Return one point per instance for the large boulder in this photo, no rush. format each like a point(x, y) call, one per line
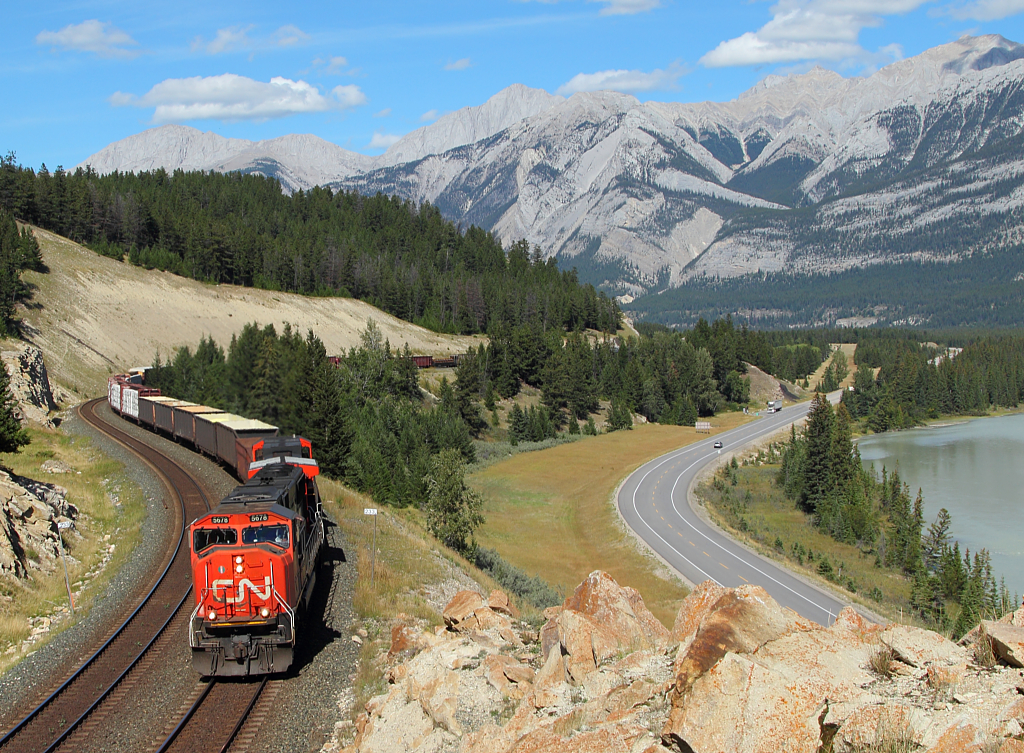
point(468, 612)
point(740, 621)
point(1007, 641)
point(756, 677)
point(603, 620)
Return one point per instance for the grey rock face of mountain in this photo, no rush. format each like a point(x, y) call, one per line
point(804, 173)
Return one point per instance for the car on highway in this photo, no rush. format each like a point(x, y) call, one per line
point(718, 445)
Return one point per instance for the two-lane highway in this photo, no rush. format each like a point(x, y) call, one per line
point(653, 502)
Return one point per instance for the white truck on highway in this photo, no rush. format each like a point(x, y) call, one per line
point(774, 406)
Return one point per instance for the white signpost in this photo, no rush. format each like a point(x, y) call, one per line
point(63, 526)
point(373, 561)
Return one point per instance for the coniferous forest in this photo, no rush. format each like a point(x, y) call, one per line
point(821, 472)
point(406, 259)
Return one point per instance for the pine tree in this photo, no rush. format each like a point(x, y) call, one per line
point(453, 509)
point(12, 436)
point(518, 428)
point(819, 473)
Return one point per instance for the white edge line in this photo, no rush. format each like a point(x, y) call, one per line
point(674, 456)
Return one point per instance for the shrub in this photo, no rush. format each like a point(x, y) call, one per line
point(534, 590)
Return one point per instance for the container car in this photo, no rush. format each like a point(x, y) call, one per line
point(254, 559)
point(185, 420)
point(147, 408)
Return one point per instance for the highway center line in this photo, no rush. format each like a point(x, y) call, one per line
point(732, 554)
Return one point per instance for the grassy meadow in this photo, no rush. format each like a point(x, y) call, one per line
point(551, 512)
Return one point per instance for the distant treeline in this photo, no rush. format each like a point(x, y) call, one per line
point(982, 291)
point(917, 381)
point(231, 228)
point(376, 430)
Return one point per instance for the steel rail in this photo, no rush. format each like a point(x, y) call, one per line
point(197, 704)
point(187, 717)
point(131, 444)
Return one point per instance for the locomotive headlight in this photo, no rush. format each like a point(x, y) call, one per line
point(264, 613)
point(212, 614)
point(238, 561)
point(239, 568)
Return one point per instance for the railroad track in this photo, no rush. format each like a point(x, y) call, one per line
point(61, 714)
point(206, 722)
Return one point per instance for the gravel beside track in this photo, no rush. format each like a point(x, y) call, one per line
point(20, 685)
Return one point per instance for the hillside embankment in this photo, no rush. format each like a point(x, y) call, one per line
point(92, 316)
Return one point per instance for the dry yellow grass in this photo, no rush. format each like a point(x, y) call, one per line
point(409, 561)
point(551, 512)
point(92, 316)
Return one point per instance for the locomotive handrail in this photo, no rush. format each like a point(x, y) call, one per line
point(288, 610)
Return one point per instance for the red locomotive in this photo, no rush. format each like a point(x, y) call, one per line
point(254, 562)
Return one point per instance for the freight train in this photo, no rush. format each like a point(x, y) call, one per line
point(254, 556)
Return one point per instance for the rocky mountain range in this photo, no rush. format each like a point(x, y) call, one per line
point(802, 174)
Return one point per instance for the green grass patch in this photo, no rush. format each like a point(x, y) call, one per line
point(748, 504)
point(551, 513)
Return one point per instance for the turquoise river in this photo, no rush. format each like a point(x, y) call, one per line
point(975, 469)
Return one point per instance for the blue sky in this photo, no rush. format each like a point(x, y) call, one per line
point(80, 75)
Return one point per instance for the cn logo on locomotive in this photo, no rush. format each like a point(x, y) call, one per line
point(225, 585)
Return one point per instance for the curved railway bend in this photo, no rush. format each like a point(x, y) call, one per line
point(60, 715)
point(654, 502)
point(135, 690)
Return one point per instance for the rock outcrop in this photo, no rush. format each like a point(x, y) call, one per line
point(30, 385)
point(737, 673)
point(29, 514)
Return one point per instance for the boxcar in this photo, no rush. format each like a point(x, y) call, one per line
point(185, 420)
point(147, 408)
point(236, 430)
point(206, 431)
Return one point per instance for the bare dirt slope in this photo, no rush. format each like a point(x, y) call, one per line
point(93, 316)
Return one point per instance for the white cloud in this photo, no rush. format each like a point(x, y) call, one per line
point(335, 64)
point(459, 65)
point(383, 113)
point(234, 38)
point(809, 30)
point(429, 116)
point(622, 81)
point(382, 140)
point(288, 36)
point(986, 10)
point(233, 97)
point(626, 7)
point(227, 40)
point(102, 38)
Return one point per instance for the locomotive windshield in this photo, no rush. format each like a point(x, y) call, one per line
point(277, 535)
point(204, 538)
